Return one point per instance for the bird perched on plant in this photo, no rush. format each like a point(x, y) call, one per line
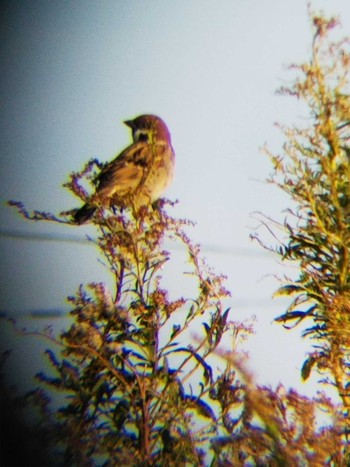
point(139, 175)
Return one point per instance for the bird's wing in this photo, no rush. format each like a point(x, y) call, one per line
point(125, 173)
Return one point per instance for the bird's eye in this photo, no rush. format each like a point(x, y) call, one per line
point(141, 136)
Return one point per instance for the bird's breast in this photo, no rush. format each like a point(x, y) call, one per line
point(161, 172)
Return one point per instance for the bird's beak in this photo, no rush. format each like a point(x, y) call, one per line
point(129, 123)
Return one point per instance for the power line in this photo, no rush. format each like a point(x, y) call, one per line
point(43, 237)
point(58, 313)
point(65, 238)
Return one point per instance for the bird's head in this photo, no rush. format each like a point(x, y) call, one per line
point(148, 128)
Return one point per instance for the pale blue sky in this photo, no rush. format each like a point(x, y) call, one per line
point(73, 71)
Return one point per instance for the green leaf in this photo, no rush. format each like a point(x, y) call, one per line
point(291, 315)
point(289, 289)
point(307, 367)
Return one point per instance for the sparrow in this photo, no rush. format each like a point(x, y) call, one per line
point(139, 175)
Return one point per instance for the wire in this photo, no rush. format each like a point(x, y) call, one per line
point(54, 237)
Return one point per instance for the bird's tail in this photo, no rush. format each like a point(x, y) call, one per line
point(84, 214)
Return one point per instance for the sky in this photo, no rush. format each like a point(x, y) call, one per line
point(74, 71)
